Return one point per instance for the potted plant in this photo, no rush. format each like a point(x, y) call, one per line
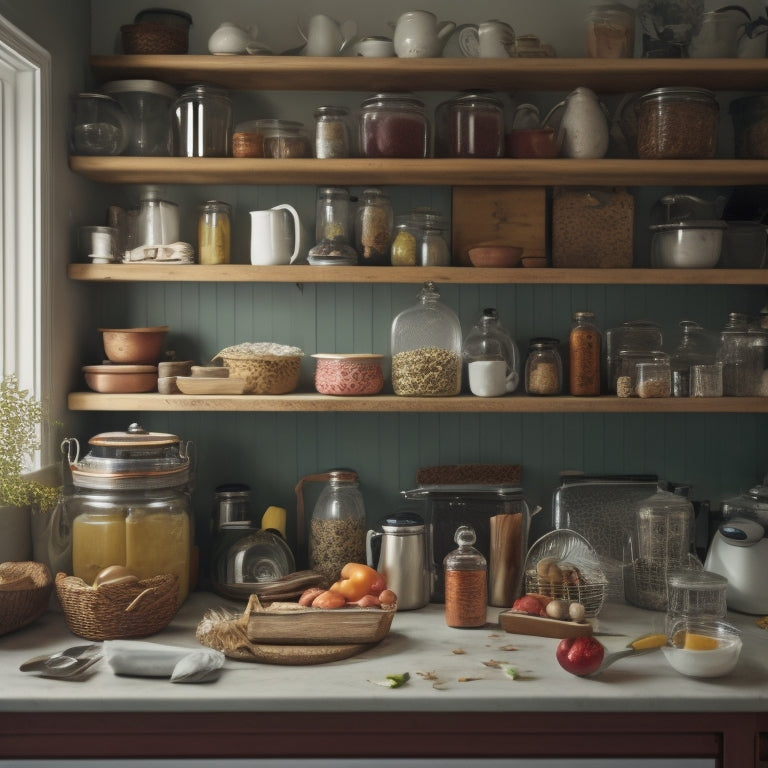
point(21, 417)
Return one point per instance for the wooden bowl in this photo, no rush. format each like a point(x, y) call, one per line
point(534, 261)
point(495, 255)
point(121, 379)
point(134, 346)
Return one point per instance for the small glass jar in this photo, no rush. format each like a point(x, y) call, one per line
point(426, 348)
point(333, 228)
point(470, 125)
point(332, 132)
point(286, 139)
point(373, 228)
point(696, 347)
point(707, 380)
point(654, 379)
point(610, 31)
point(632, 336)
point(466, 582)
point(231, 504)
point(543, 368)
point(677, 123)
point(629, 362)
point(433, 242)
point(394, 125)
point(584, 351)
point(214, 232)
point(202, 122)
point(742, 359)
point(98, 125)
point(404, 251)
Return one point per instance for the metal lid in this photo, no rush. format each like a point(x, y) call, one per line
point(503, 491)
point(679, 93)
point(403, 522)
point(156, 87)
point(672, 226)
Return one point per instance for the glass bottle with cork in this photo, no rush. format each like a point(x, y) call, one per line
point(466, 582)
point(584, 346)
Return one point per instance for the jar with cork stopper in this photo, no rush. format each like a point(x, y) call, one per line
point(466, 584)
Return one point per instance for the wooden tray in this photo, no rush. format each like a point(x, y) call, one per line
point(523, 624)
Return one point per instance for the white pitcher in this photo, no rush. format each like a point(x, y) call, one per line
point(276, 236)
point(418, 35)
point(326, 37)
point(584, 128)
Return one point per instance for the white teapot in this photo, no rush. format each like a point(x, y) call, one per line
point(231, 39)
point(418, 35)
point(584, 130)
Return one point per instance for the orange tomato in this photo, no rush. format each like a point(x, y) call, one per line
point(356, 580)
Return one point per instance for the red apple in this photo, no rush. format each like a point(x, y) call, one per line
point(580, 655)
point(530, 605)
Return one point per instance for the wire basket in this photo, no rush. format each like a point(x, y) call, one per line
point(120, 610)
point(147, 38)
point(25, 588)
point(590, 594)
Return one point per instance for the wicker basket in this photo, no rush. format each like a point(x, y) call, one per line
point(25, 589)
point(148, 38)
point(265, 373)
point(118, 611)
point(590, 594)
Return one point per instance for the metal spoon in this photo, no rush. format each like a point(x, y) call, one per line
point(638, 647)
point(60, 660)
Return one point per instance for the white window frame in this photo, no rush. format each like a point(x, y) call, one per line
point(25, 211)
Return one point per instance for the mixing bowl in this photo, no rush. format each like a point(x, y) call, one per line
point(134, 346)
point(687, 245)
point(703, 647)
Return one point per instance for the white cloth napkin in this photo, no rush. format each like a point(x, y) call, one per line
point(182, 665)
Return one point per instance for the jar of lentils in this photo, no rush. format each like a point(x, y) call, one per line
point(543, 368)
point(470, 125)
point(394, 125)
point(677, 123)
point(426, 348)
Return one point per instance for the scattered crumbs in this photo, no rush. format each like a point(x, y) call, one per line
point(469, 679)
point(493, 663)
point(458, 651)
point(509, 648)
point(763, 622)
point(428, 675)
point(494, 634)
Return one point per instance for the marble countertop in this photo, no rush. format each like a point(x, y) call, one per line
point(448, 673)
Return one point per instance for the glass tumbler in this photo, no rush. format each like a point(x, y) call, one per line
point(695, 594)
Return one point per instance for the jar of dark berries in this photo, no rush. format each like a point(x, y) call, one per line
point(394, 125)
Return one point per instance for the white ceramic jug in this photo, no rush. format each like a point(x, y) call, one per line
point(493, 39)
point(230, 39)
point(326, 37)
point(584, 130)
point(418, 35)
point(276, 236)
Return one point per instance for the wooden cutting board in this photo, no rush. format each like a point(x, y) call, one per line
point(500, 216)
point(523, 624)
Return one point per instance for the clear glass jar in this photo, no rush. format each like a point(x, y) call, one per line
point(426, 348)
point(653, 379)
point(470, 125)
point(286, 139)
point(374, 221)
point(231, 504)
point(214, 232)
point(466, 582)
point(742, 359)
point(202, 122)
point(584, 352)
point(404, 251)
point(677, 123)
point(332, 132)
point(98, 125)
point(697, 347)
point(333, 228)
point(394, 125)
point(248, 137)
point(337, 527)
point(629, 362)
point(489, 340)
point(610, 31)
point(543, 368)
point(634, 336)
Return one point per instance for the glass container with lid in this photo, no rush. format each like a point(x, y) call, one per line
point(697, 347)
point(334, 229)
point(426, 348)
point(394, 125)
point(489, 340)
point(633, 336)
point(214, 232)
point(741, 356)
point(610, 31)
point(470, 125)
point(374, 222)
point(433, 248)
point(584, 353)
point(202, 122)
point(543, 368)
point(332, 132)
point(629, 361)
point(466, 591)
point(98, 125)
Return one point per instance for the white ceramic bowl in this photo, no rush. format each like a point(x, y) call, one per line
point(715, 662)
point(687, 245)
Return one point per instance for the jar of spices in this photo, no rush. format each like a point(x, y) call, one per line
point(394, 125)
point(610, 31)
point(584, 347)
point(333, 228)
point(466, 587)
point(470, 125)
point(426, 348)
point(373, 228)
point(543, 368)
point(404, 251)
point(202, 122)
point(214, 232)
point(677, 123)
point(331, 132)
point(433, 243)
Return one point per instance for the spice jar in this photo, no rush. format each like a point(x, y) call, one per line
point(214, 232)
point(394, 125)
point(202, 122)
point(331, 132)
point(610, 31)
point(470, 125)
point(426, 348)
point(466, 588)
point(433, 250)
point(373, 228)
point(543, 368)
point(404, 250)
point(333, 229)
point(677, 123)
point(584, 346)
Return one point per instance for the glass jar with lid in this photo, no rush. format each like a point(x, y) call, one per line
point(404, 251)
point(426, 348)
point(333, 228)
point(697, 347)
point(332, 132)
point(286, 139)
point(373, 228)
point(489, 340)
point(433, 248)
point(394, 125)
point(214, 232)
point(741, 358)
point(543, 367)
point(584, 353)
point(98, 125)
point(631, 336)
point(610, 31)
point(677, 123)
point(466, 582)
point(470, 125)
point(629, 362)
point(202, 122)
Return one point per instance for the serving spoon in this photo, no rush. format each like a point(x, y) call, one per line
point(638, 647)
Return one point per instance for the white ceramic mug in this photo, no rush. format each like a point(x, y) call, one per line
point(275, 235)
point(496, 39)
point(491, 378)
point(326, 37)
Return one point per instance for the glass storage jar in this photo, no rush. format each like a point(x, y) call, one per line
point(214, 230)
point(610, 31)
point(543, 368)
point(584, 352)
point(98, 125)
point(433, 248)
point(697, 347)
point(653, 379)
point(374, 222)
point(426, 348)
point(202, 122)
point(741, 357)
point(284, 139)
point(633, 336)
point(629, 361)
point(466, 590)
point(470, 125)
point(332, 132)
point(333, 228)
point(404, 250)
point(489, 340)
point(394, 125)
point(677, 123)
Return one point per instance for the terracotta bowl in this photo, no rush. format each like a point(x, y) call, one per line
point(534, 261)
point(495, 255)
point(532, 143)
point(134, 346)
point(121, 379)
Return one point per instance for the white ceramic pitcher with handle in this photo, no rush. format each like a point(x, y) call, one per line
point(276, 236)
point(419, 35)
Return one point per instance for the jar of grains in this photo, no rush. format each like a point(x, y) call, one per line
point(373, 228)
point(426, 348)
point(394, 125)
point(677, 123)
point(404, 249)
point(331, 132)
point(470, 125)
point(214, 232)
point(584, 348)
point(628, 366)
point(654, 379)
point(543, 368)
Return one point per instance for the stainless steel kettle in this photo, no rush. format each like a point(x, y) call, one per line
point(403, 558)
